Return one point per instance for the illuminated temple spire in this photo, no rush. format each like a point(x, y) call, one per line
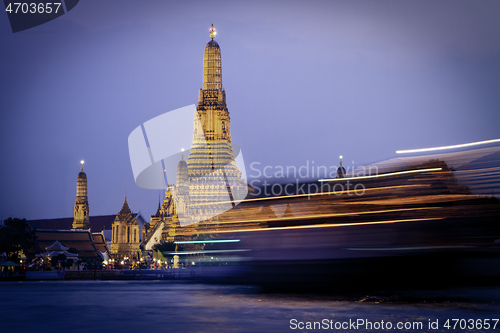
point(211, 158)
point(211, 148)
point(212, 73)
point(341, 173)
point(81, 213)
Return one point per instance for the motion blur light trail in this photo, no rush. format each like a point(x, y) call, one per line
point(330, 225)
point(382, 175)
point(417, 223)
point(318, 216)
point(464, 145)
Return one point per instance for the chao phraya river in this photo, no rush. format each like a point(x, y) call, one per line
point(166, 306)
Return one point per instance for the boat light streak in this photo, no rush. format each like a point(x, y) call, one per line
point(209, 241)
point(321, 216)
point(208, 251)
point(325, 225)
point(310, 194)
point(447, 147)
point(413, 248)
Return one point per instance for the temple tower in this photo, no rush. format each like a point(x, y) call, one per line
point(81, 214)
point(211, 165)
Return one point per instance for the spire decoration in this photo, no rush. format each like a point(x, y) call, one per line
point(341, 173)
point(125, 208)
point(213, 33)
point(158, 211)
point(82, 161)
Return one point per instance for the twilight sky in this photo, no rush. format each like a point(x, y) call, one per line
point(305, 81)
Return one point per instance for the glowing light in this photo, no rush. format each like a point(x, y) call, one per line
point(327, 225)
point(382, 175)
point(447, 147)
point(209, 241)
point(213, 33)
point(408, 248)
point(308, 194)
point(207, 251)
point(82, 161)
point(340, 156)
point(321, 216)
point(182, 149)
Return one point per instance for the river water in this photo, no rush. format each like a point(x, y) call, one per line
point(171, 306)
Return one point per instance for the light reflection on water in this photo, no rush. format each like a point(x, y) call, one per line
point(159, 306)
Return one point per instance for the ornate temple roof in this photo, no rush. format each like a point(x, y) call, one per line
point(57, 246)
point(125, 208)
point(79, 239)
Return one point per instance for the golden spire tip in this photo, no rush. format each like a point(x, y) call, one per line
point(213, 32)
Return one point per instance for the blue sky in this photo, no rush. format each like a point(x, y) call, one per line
point(305, 81)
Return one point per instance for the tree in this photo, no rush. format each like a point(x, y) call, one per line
point(15, 235)
point(59, 258)
point(73, 250)
point(92, 263)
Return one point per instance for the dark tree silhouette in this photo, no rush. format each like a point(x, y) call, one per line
point(15, 235)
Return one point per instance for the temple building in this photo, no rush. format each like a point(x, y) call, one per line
point(90, 235)
point(81, 213)
point(125, 233)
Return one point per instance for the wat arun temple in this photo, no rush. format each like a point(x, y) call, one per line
point(205, 186)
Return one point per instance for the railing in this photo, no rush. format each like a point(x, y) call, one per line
point(150, 233)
